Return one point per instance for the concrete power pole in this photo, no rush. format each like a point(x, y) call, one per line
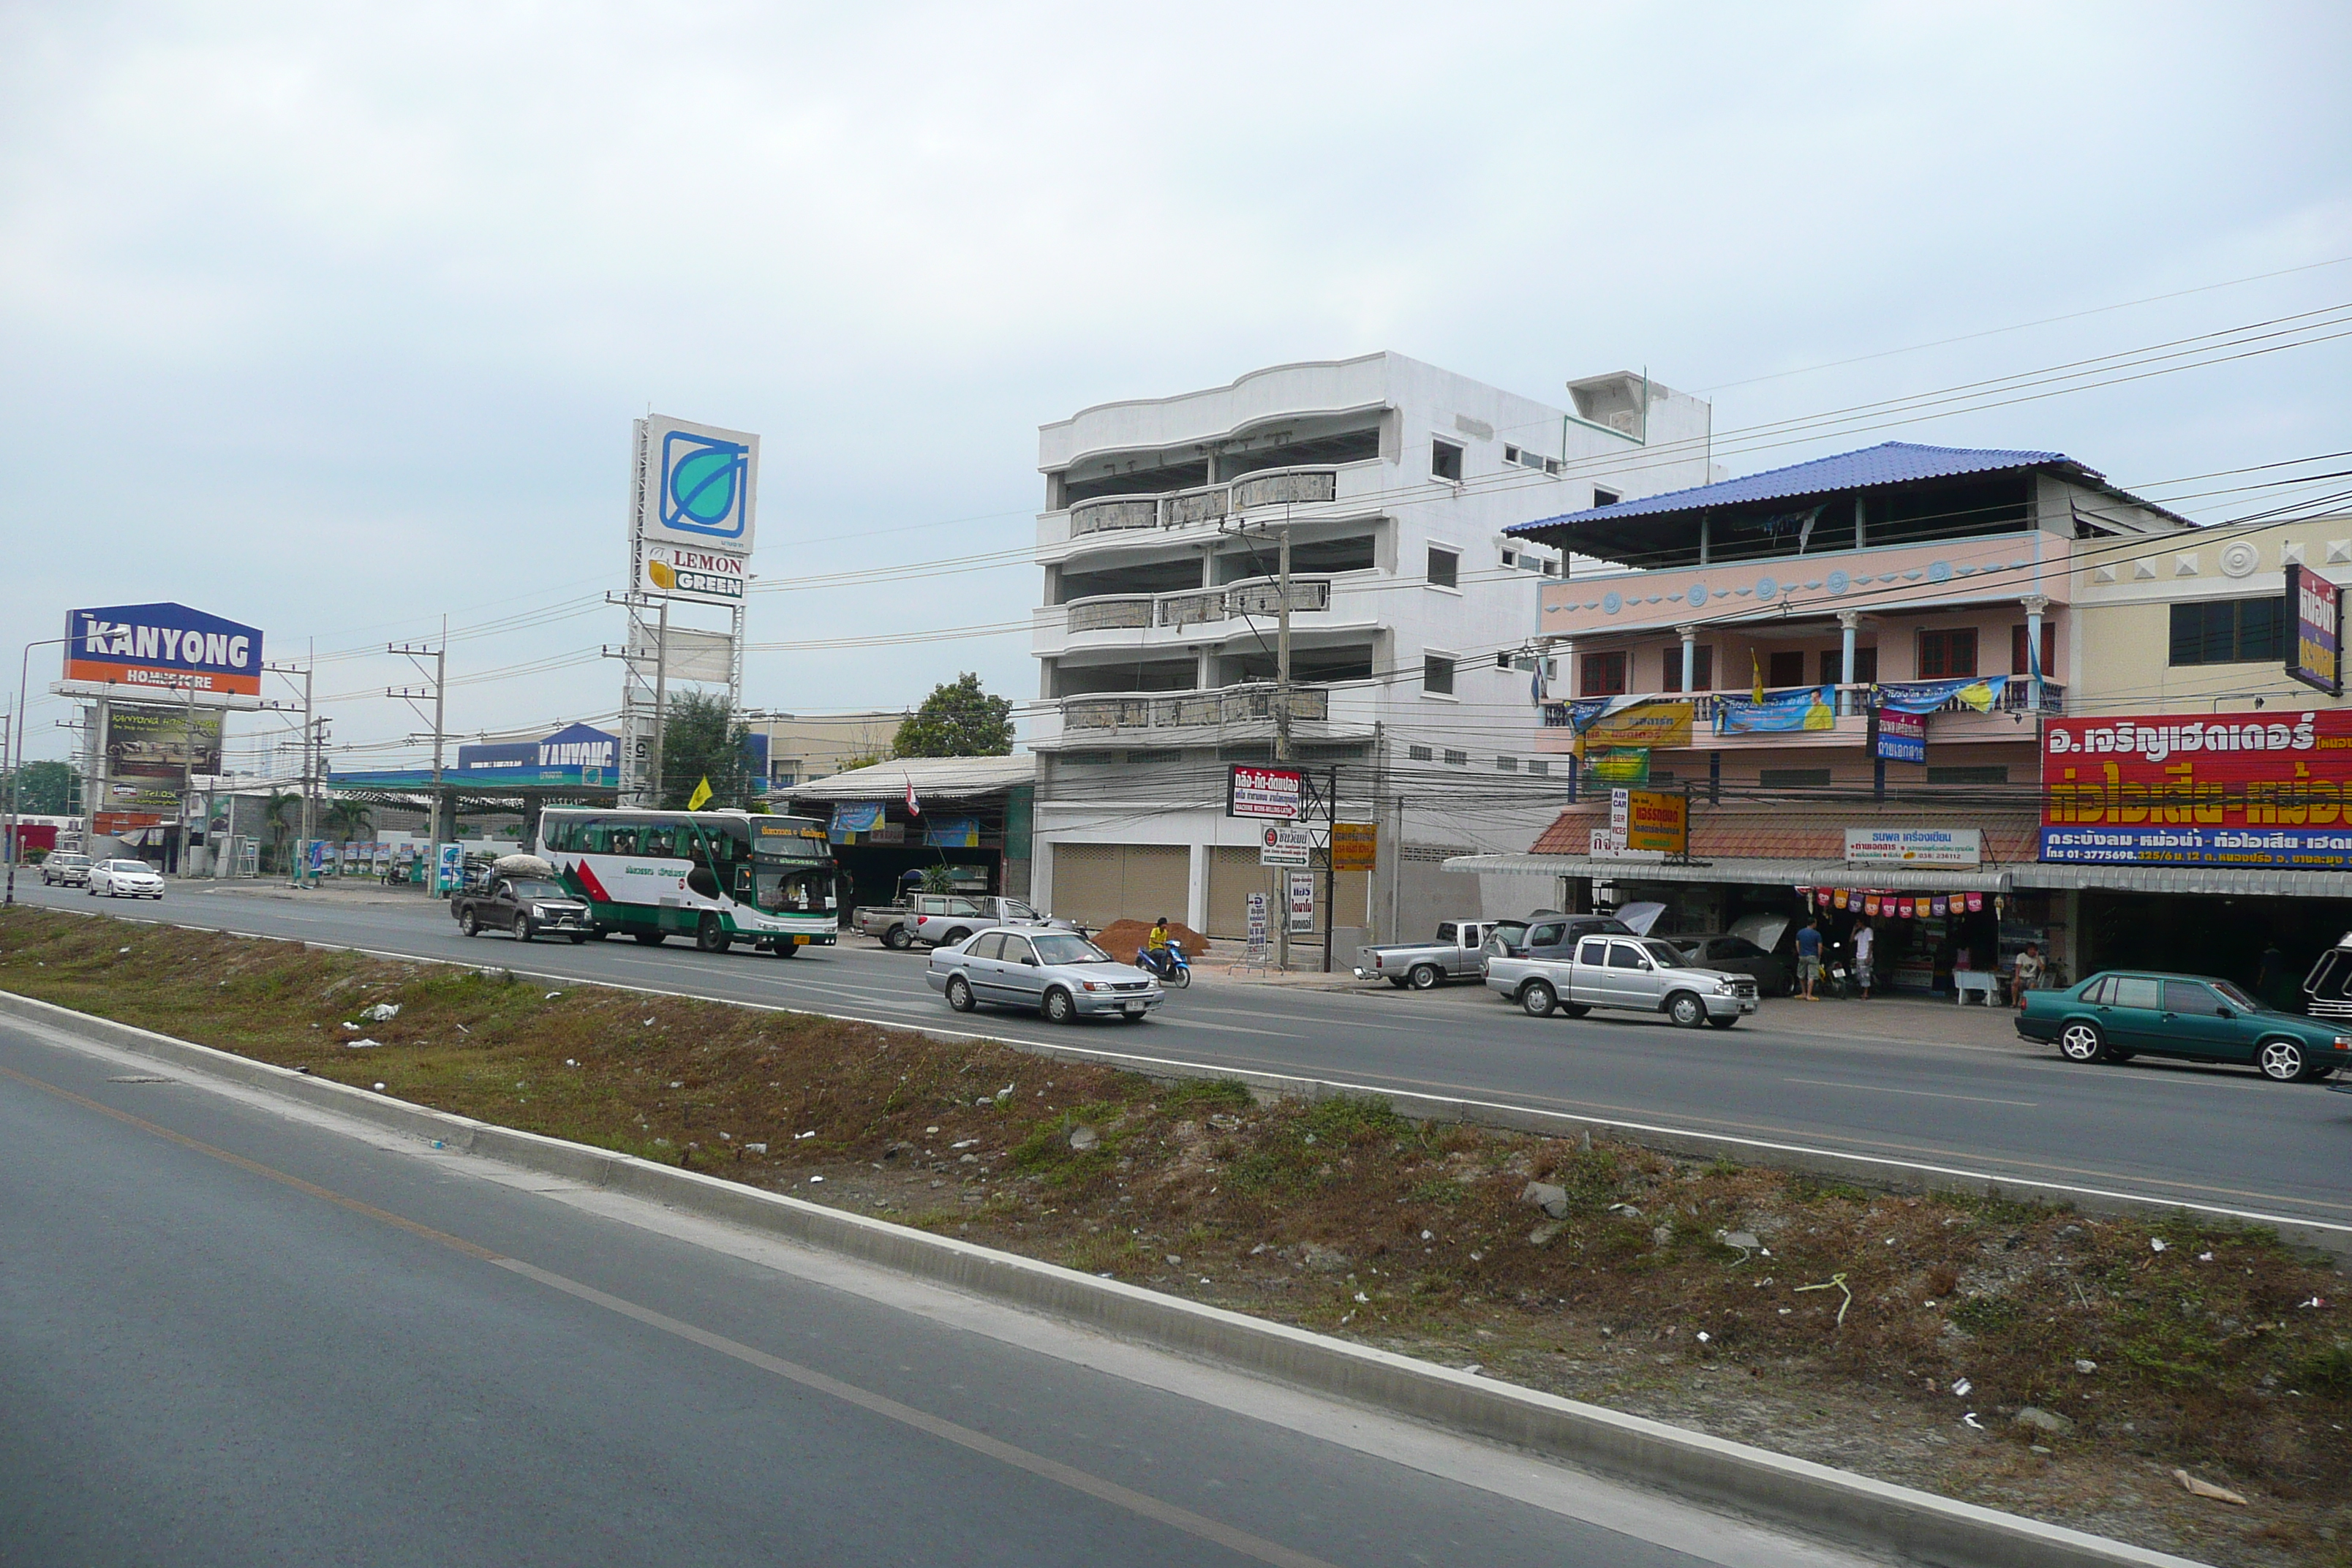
point(440, 692)
point(661, 696)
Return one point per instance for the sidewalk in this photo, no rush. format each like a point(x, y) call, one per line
point(357, 892)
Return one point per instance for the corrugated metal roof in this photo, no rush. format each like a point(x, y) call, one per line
point(1888, 463)
point(2218, 881)
point(947, 778)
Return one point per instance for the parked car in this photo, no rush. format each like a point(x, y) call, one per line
point(1725, 951)
point(1639, 974)
point(521, 895)
point(1555, 936)
point(1038, 969)
point(1451, 954)
point(2115, 1016)
point(66, 870)
point(123, 879)
point(943, 919)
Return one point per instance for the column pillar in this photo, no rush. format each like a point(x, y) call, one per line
point(1196, 887)
point(1689, 634)
point(2035, 604)
point(1849, 621)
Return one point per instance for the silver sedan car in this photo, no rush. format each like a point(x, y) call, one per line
point(1058, 974)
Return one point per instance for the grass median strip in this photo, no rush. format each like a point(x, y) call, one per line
point(2018, 1356)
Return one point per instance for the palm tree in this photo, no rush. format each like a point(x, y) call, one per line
point(348, 819)
point(284, 814)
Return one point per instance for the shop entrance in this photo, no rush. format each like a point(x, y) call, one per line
point(2229, 937)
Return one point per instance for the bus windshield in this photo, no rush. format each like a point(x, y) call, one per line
point(799, 890)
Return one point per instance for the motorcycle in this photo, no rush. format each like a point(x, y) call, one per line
point(1177, 971)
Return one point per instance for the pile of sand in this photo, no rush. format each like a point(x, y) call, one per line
point(1122, 939)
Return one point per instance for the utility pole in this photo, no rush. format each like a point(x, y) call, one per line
point(440, 691)
point(661, 695)
point(1330, 859)
point(188, 786)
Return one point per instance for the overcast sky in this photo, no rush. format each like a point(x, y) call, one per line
point(332, 320)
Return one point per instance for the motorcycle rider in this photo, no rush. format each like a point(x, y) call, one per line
point(1155, 949)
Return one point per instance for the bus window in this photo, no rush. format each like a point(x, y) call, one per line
point(658, 843)
point(595, 837)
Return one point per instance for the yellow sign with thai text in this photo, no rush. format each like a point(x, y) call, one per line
point(1655, 724)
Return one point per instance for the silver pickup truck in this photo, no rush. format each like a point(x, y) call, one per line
point(1636, 972)
point(1426, 964)
point(942, 920)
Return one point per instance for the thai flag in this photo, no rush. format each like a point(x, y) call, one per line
point(914, 806)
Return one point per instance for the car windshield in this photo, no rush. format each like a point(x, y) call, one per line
point(538, 888)
point(1069, 949)
point(1016, 909)
point(1664, 953)
point(126, 865)
point(1512, 931)
point(2235, 996)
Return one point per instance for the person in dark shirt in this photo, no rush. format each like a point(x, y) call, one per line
point(1809, 958)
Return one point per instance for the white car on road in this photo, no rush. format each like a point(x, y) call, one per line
point(124, 880)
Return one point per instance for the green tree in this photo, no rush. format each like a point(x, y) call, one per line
point(702, 739)
point(284, 815)
point(958, 719)
point(44, 789)
point(349, 819)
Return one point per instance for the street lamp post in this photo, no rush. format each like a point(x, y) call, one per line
point(17, 759)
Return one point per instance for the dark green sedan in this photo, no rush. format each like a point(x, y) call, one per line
point(2117, 1016)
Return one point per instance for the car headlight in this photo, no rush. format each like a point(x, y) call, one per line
point(1094, 986)
point(1726, 988)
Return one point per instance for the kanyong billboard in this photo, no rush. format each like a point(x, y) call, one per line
point(166, 647)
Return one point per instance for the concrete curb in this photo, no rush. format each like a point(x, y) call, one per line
point(1814, 1499)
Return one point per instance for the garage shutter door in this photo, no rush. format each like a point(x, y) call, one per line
point(1099, 883)
point(1234, 875)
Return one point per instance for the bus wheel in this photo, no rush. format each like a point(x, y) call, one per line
point(787, 948)
point(710, 936)
point(649, 938)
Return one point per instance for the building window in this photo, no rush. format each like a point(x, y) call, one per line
point(1420, 754)
point(1445, 461)
point(1437, 675)
point(1865, 666)
point(1538, 767)
point(1166, 754)
point(1948, 653)
point(1702, 669)
point(1507, 765)
point(1457, 759)
point(1785, 669)
point(1445, 568)
point(1605, 497)
point(2230, 631)
point(1967, 776)
point(2049, 648)
point(1603, 675)
point(1793, 778)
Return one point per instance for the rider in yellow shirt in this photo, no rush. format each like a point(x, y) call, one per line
point(1157, 945)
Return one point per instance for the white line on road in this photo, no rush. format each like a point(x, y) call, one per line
point(1922, 1093)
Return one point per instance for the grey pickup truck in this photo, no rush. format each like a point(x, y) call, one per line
point(1639, 974)
point(1425, 965)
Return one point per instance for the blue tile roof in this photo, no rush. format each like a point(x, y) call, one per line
point(1888, 463)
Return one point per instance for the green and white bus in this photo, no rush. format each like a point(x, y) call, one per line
point(718, 876)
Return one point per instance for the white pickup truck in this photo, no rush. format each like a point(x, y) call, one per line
point(1639, 974)
point(942, 920)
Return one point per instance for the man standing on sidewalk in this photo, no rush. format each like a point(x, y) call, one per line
point(1866, 950)
point(1809, 957)
point(2027, 973)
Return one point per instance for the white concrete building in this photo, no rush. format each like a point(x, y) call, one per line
point(1411, 615)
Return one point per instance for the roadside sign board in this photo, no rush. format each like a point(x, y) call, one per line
point(1915, 847)
point(2315, 611)
point(1900, 737)
point(1355, 846)
point(1302, 902)
point(168, 648)
point(1269, 794)
point(1281, 845)
point(1257, 927)
point(1655, 822)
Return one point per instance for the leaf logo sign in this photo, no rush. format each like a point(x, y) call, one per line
point(703, 484)
point(664, 578)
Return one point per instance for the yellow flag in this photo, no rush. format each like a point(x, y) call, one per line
point(700, 797)
point(1756, 674)
point(1978, 696)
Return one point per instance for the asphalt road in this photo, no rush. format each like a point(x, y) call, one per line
point(235, 1333)
point(2220, 1136)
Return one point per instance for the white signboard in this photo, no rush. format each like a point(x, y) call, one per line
point(1620, 811)
point(1280, 845)
point(1609, 845)
point(1272, 793)
point(689, 572)
point(1302, 902)
point(1257, 927)
point(1913, 847)
point(708, 657)
point(693, 486)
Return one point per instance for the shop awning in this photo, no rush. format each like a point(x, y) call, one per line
point(1749, 872)
point(2225, 881)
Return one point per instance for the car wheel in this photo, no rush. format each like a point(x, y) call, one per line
point(1133, 1017)
point(1536, 999)
point(1423, 977)
point(598, 933)
point(1059, 1007)
point(898, 939)
point(2082, 1042)
point(523, 929)
point(467, 925)
point(2282, 1061)
point(710, 936)
point(955, 936)
point(1726, 1022)
point(649, 938)
point(578, 937)
point(960, 997)
point(1575, 1009)
point(1687, 1010)
point(1398, 980)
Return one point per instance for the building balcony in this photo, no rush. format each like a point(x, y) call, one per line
point(1953, 721)
point(1124, 518)
point(1225, 716)
point(1191, 617)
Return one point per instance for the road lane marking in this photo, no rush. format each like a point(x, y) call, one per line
point(1922, 1093)
point(1141, 1504)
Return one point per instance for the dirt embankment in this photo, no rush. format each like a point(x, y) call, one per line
point(2016, 1355)
point(1123, 939)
